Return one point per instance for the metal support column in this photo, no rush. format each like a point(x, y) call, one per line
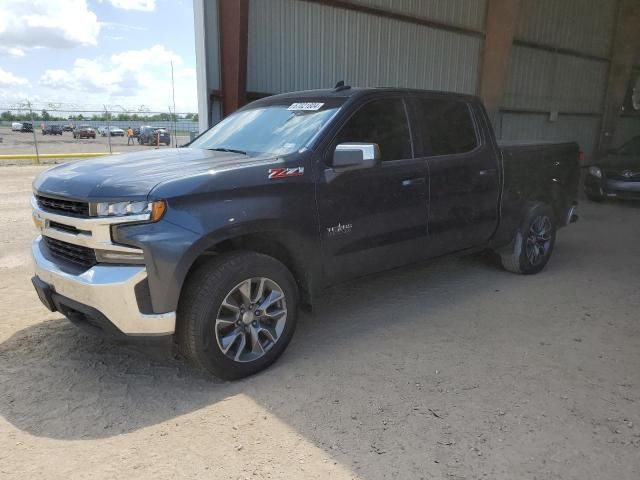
point(234, 31)
point(500, 29)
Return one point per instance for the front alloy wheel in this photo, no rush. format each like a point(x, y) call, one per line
point(237, 313)
point(251, 319)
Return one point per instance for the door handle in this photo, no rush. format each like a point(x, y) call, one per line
point(487, 172)
point(409, 182)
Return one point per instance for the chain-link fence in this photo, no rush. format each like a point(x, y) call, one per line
point(55, 131)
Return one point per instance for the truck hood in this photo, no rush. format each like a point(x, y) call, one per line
point(619, 162)
point(134, 174)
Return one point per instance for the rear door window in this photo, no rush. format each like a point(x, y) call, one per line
point(383, 122)
point(443, 127)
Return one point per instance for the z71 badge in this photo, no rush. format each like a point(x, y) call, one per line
point(275, 173)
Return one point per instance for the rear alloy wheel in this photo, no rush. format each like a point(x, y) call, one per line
point(539, 240)
point(237, 314)
point(533, 244)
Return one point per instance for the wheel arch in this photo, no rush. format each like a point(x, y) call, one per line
point(504, 242)
point(287, 248)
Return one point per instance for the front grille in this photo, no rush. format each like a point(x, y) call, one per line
point(63, 207)
point(624, 175)
point(64, 228)
point(77, 254)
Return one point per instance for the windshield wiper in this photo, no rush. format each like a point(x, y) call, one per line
point(230, 150)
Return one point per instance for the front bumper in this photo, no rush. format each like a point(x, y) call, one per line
point(106, 293)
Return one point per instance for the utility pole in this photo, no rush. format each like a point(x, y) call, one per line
point(173, 91)
point(33, 130)
point(106, 112)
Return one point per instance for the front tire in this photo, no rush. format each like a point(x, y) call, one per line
point(533, 244)
point(237, 314)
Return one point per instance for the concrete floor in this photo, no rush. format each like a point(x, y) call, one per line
point(453, 369)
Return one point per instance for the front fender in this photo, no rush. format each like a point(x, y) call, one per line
point(170, 251)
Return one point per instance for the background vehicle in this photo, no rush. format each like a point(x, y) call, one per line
point(149, 136)
point(52, 130)
point(16, 126)
point(220, 242)
point(67, 128)
point(27, 127)
point(617, 175)
point(115, 131)
point(84, 131)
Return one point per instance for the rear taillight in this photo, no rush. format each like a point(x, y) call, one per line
point(581, 156)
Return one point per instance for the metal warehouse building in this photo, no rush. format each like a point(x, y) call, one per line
point(546, 69)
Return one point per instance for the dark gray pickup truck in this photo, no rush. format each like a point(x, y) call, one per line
point(219, 243)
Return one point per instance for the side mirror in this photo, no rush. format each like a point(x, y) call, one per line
point(354, 155)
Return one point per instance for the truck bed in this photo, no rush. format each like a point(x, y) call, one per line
point(534, 170)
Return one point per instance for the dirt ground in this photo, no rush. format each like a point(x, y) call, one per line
point(22, 143)
point(449, 370)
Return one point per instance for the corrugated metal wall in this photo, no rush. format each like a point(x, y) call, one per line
point(583, 25)
point(536, 126)
point(542, 80)
point(466, 13)
point(548, 81)
point(295, 45)
point(627, 128)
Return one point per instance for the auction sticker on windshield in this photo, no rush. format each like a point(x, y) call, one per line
point(312, 107)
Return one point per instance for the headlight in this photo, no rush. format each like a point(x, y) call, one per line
point(595, 171)
point(154, 209)
point(108, 256)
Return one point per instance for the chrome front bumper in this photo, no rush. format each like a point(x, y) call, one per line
point(110, 289)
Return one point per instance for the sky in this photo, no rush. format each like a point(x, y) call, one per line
point(95, 52)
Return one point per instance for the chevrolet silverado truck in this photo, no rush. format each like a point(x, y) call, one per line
point(219, 243)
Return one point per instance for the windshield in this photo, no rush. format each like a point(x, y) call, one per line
point(632, 147)
point(276, 129)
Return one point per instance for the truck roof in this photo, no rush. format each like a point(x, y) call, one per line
point(347, 92)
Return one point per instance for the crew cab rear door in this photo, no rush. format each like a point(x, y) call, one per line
point(374, 218)
point(464, 171)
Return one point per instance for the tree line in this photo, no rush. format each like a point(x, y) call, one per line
point(98, 117)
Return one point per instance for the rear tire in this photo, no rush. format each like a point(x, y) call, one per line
point(533, 244)
point(221, 327)
point(599, 198)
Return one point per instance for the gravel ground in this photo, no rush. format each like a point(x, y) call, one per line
point(453, 369)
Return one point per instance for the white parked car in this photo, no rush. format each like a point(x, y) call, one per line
point(16, 127)
point(115, 131)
